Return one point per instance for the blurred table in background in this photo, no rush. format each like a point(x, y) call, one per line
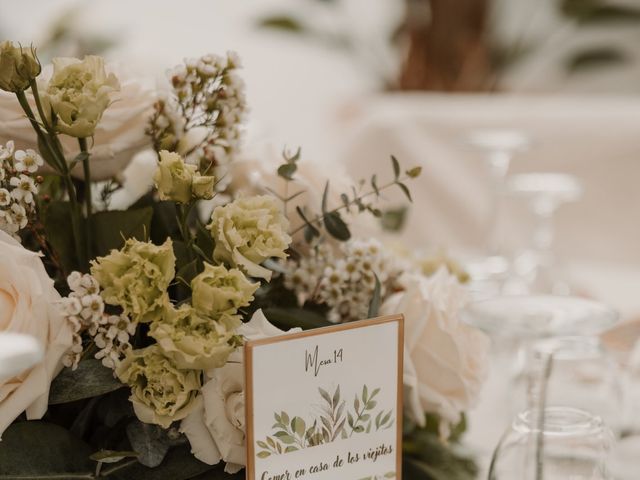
point(595, 138)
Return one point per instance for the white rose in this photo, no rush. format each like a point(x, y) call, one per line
point(28, 305)
point(445, 360)
point(118, 136)
point(216, 430)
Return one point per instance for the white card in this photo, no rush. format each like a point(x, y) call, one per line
point(326, 404)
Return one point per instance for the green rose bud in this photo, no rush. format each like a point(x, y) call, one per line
point(202, 186)
point(136, 277)
point(174, 178)
point(193, 340)
point(79, 92)
point(218, 290)
point(248, 231)
point(161, 393)
point(17, 67)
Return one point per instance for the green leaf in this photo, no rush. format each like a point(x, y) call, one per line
point(286, 318)
point(414, 172)
point(178, 464)
point(345, 200)
point(405, 190)
point(287, 170)
point(90, 379)
point(374, 185)
point(298, 426)
point(150, 441)
point(81, 157)
point(111, 228)
point(111, 456)
point(325, 395)
point(39, 450)
point(282, 22)
point(336, 226)
point(365, 394)
point(263, 454)
point(396, 167)
point(376, 301)
point(393, 220)
point(595, 58)
point(285, 438)
point(336, 396)
point(310, 231)
point(57, 219)
point(325, 195)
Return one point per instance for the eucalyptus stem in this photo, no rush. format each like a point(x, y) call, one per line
point(542, 407)
point(354, 201)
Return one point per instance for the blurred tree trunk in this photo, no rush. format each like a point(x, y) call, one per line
point(447, 46)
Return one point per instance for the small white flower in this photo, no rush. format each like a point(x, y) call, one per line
point(6, 151)
point(27, 160)
point(73, 280)
point(19, 215)
point(71, 306)
point(24, 188)
point(92, 307)
point(5, 197)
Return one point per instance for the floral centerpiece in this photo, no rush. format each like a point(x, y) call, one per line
point(142, 312)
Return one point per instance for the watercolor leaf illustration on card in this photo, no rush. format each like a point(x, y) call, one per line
point(381, 477)
point(336, 421)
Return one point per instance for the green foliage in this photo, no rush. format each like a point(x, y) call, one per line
point(376, 299)
point(90, 379)
point(42, 450)
point(393, 220)
point(57, 220)
point(112, 228)
point(151, 442)
point(595, 58)
point(286, 318)
point(283, 22)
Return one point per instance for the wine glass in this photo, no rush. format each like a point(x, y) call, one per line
point(18, 352)
point(498, 147)
point(573, 371)
point(535, 268)
point(556, 443)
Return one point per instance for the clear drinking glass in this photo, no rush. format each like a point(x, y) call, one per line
point(536, 267)
point(498, 147)
point(557, 443)
point(576, 372)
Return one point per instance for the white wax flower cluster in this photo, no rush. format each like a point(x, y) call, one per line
point(18, 188)
point(201, 118)
point(84, 310)
point(344, 282)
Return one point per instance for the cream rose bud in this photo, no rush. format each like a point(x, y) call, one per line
point(18, 67)
point(161, 393)
point(174, 177)
point(445, 360)
point(203, 186)
point(216, 430)
point(136, 277)
point(79, 92)
point(193, 340)
point(29, 305)
point(248, 231)
point(220, 290)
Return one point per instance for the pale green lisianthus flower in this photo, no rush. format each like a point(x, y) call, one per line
point(136, 277)
point(217, 290)
point(248, 231)
point(194, 340)
point(203, 186)
point(174, 177)
point(161, 393)
point(18, 66)
point(79, 92)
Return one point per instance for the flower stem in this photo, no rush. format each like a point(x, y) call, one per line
point(88, 201)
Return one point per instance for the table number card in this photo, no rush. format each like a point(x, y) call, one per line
point(326, 404)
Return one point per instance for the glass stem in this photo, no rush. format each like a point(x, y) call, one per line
point(499, 162)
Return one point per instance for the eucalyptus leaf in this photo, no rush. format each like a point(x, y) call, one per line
point(90, 379)
point(286, 318)
point(396, 167)
point(376, 300)
point(40, 450)
point(405, 190)
point(112, 456)
point(150, 441)
point(178, 464)
point(336, 227)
